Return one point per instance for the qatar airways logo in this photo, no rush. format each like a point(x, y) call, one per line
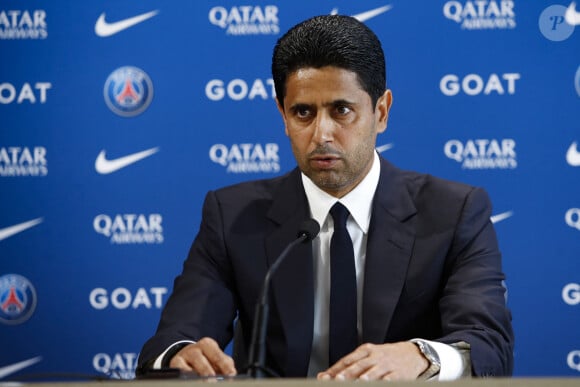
point(474, 84)
point(23, 161)
point(483, 153)
point(20, 25)
point(481, 14)
point(116, 366)
point(126, 229)
point(246, 158)
point(246, 19)
point(239, 89)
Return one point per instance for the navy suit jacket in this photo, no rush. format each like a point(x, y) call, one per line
point(432, 270)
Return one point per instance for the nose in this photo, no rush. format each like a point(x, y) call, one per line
point(323, 129)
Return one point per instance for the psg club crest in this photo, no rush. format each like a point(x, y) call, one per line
point(128, 91)
point(17, 299)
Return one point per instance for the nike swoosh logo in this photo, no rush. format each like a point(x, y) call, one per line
point(572, 17)
point(499, 217)
point(13, 368)
point(13, 230)
point(105, 29)
point(104, 166)
point(385, 147)
point(573, 156)
point(364, 16)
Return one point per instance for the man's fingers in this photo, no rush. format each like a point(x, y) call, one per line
point(222, 363)
point(350, 366)
point(192, 359)
point(179, 362)
point(378, 373)
point(205, 358)
point(387, 377)
point(360, 353)
point(396, 361)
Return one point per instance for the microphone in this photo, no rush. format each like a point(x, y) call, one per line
point(257, 354)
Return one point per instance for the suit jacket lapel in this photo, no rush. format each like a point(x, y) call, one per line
point(292, 285)
point(389, 246)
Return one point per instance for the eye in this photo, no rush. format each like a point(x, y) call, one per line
point(302, 111)
point(342, 110)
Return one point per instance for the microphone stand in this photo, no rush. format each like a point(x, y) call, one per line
point(257, 358)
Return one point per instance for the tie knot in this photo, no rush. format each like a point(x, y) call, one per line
point(339, 215)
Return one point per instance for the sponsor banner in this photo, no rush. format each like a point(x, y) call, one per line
point(483, 153)
point(573, 155)
point(571, 294)
point(246, 19)
point(481, 15)
point(572, 218)
point(23, 161)
point(17, 299)
point(573, 360)
point(474, 84)
point(123, 298)
point(105, 166)
point(501, 216)
point(246, 158)
point(128, 91)
point(116, 365)
point(9, 369)
point(104, 28)
point(9, 231)
point(123, 229)
point(577, 81)
point(239, 89)
point(27, 93)
point(23, 24)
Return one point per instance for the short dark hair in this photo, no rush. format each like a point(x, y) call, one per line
point(331, 40)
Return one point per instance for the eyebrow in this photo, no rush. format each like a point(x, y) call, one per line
point(338, 102)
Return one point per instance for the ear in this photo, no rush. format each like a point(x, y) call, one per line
point(382, 110)
point(283, 114)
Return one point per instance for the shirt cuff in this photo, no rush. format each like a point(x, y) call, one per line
point(157, 365)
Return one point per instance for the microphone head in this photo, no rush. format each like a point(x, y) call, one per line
point(309, 228)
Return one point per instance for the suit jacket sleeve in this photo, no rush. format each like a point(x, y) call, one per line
point(473, 303)
point(202, 303)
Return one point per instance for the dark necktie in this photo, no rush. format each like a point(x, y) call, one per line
point(343, 335)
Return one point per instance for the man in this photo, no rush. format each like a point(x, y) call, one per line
point(429, 299)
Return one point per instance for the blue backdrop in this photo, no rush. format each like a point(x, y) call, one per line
point(116, 117)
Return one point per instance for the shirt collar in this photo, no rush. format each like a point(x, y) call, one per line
point(359, 201)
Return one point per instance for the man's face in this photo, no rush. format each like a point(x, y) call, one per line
point(332, 126)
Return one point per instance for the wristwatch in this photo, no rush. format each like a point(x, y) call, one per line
point(431, 355)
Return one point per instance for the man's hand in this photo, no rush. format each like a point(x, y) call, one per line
point(205, 358)
point(397, 361)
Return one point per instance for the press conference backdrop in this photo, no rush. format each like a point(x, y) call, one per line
point(116, 118)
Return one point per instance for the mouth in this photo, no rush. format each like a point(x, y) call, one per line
point(324, 161)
